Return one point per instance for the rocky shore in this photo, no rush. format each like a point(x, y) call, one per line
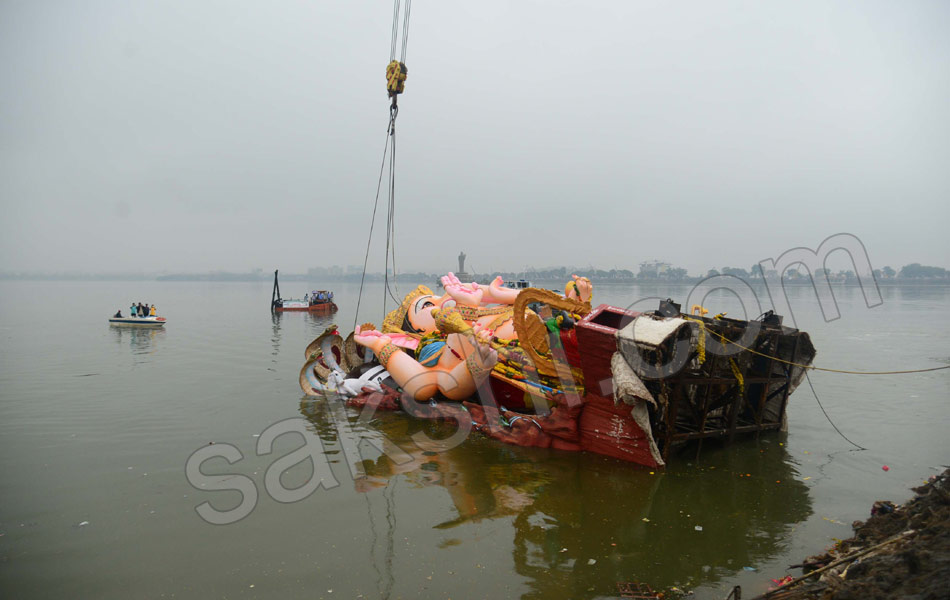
point(900, 552)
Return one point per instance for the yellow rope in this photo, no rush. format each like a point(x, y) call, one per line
point(701, 343)
point(814, 368)
point(739, 378)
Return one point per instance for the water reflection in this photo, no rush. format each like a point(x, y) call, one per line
point(275, 334)
point(314, 323)
point(318, 322)
point(140, 339)
point(583, 523)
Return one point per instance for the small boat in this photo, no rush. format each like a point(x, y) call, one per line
point(152, 322)
point(520, 284)
point(317, 301)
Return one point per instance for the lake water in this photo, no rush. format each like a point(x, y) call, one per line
point(97, 425)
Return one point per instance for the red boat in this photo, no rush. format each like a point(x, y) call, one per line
point(317, 301)
point(640, 387)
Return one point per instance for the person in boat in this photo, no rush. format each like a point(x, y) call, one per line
point(132, 309)
point(152, 312)
point(118, 314)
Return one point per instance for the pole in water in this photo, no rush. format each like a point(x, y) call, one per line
point(275, 293)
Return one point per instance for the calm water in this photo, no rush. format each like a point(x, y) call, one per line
point(96, 426)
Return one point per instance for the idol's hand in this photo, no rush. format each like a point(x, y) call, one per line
point(465, 295)
point(450, 279)
point(480, 346)
point(499, 293)
point(372, 339)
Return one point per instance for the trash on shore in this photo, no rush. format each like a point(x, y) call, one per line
point(900, 551)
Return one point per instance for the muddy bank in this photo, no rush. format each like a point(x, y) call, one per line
point(899, 552)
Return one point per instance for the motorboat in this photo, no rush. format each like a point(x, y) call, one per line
point(519, 284)
point(153, 322)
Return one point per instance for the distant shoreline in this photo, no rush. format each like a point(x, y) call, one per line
point(424, 277)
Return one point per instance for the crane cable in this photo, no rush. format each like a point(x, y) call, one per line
point(396, 73)
point(726, 341)
point(372, 224)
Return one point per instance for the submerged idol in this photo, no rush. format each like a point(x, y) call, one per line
point(537, 368)
point(447, 344)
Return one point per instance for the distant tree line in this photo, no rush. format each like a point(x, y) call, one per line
point(654, 271)
point(919, 271)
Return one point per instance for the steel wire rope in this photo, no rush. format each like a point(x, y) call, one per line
point(808, 379)
point(724, 340)
point(392, 48)
point(389, 230)
point(372, 224)
point(394, 111)
point(405, 31)
point(392, 207)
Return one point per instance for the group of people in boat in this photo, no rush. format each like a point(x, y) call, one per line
point(318, 297)
point(138, 310)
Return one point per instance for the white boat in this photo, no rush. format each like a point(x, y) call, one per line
point(137, 321)
point(520, 284)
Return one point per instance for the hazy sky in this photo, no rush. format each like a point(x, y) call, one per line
point(198, 135)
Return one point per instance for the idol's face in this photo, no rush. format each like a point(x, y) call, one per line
point(420, 311)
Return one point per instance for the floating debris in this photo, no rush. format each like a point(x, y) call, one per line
point(638, 591)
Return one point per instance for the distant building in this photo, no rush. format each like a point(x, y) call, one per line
point(654, 269)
